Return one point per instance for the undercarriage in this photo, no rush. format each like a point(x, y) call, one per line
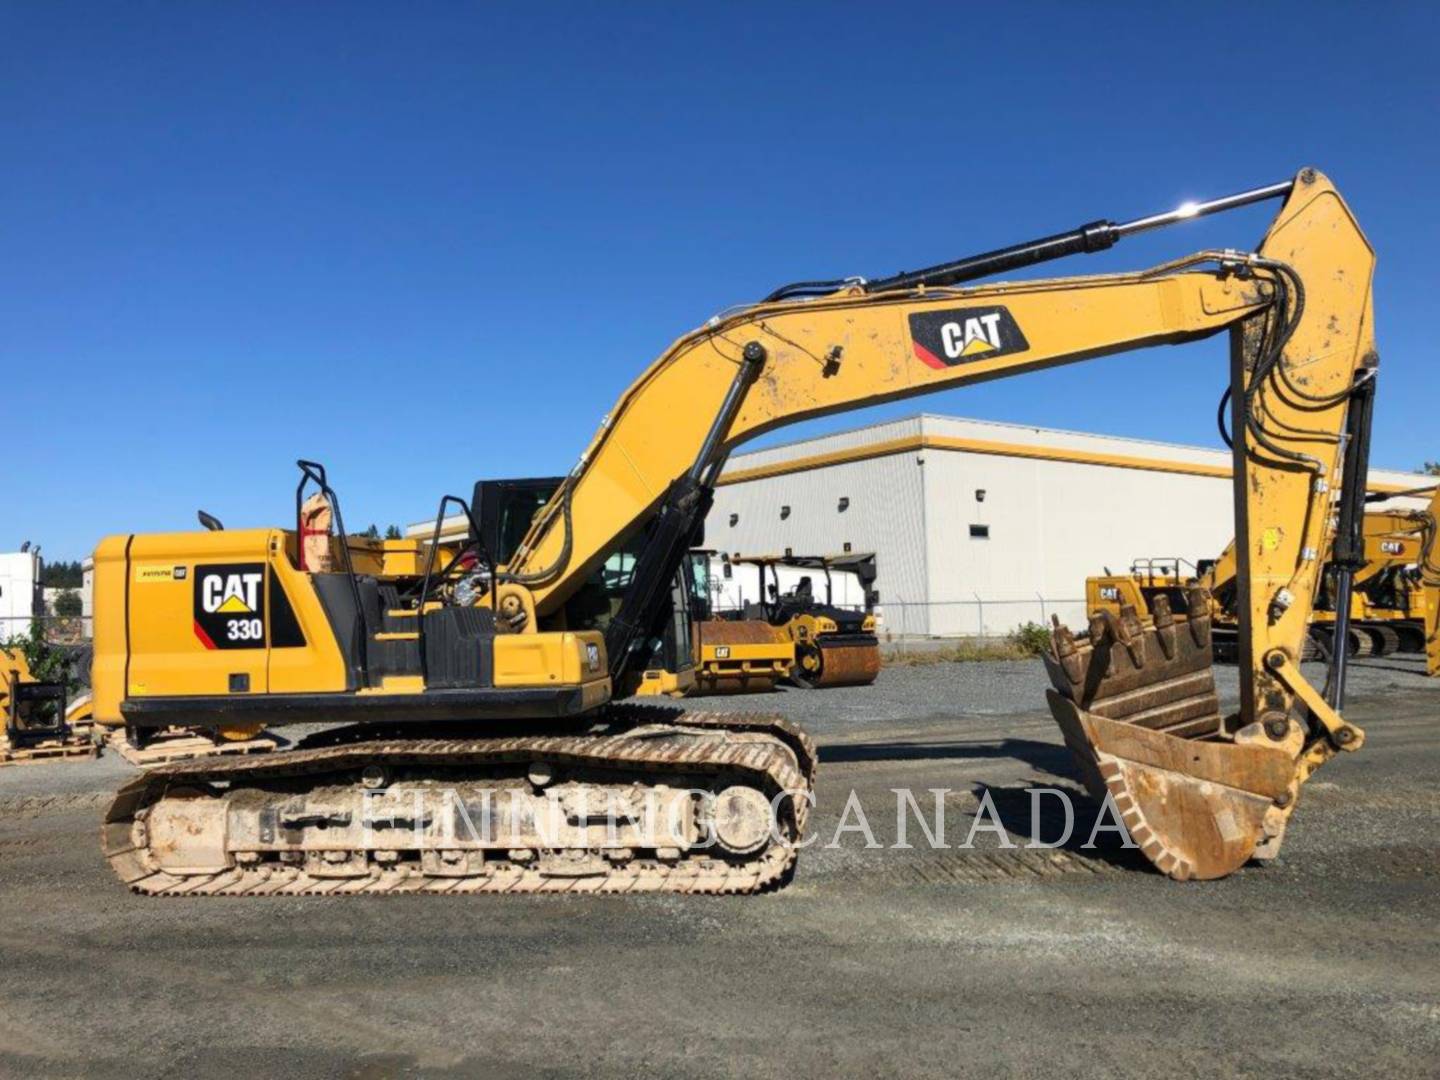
point(648, 800)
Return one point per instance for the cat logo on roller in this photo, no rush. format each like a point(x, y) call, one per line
point(230, 606)
point(943, 339)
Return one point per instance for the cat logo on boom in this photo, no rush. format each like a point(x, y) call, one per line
point(230, 606)
point(943, 339)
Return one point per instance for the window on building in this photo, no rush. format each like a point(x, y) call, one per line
point(980, 532)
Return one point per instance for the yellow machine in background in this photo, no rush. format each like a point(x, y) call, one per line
point(734, 654)
point(834, 646)
point(474, 682)
point(28, 709)
point(1430, 598)
point(1417, 588)
point(1380, 620)
point(1388, 601)
point(35, 712)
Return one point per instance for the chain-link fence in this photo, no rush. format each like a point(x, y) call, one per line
point(56, 629)
point(966, 619)
point(975, 618)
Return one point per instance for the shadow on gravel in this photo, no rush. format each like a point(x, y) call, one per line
point(1397, 665)
point(1040, 755)
point(1042, 818)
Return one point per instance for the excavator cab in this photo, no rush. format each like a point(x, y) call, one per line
point(665, 663)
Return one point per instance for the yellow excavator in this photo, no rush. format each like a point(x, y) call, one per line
point(1402, 594)
point(480, 751)
point(1381, 597)
point(1388, 600)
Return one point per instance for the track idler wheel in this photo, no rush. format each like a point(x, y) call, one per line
point(1412, 637)
point(1138, 709)
point(1385, 639)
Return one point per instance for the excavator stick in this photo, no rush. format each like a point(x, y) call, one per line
point(1138, 710)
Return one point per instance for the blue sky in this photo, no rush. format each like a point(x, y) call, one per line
point(426, 243)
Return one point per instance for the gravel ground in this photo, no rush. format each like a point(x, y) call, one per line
point(883, 960)
point(1001, 688)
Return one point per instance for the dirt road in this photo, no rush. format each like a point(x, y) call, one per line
point(876, 960)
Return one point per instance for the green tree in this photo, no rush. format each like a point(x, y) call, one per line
point(68, 604)
point(46, 663)
point(373, 532)
point(62, 575)
point(392, 532)
point(1431, 468)
point(1032, 638)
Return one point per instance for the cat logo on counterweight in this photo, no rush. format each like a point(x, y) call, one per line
point(230, 606)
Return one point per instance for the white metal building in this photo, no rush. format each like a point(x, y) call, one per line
point(19, 576)
point(978, 527)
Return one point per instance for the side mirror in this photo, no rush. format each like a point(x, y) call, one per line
point(209, 521)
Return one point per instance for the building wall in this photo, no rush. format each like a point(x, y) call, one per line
point(18, 572)
point(1050, 525)
point(885, 515)
point(1057, 505)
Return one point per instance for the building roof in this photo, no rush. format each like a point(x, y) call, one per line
point(935, 432)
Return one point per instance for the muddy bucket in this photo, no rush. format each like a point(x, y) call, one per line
point(1138, 709)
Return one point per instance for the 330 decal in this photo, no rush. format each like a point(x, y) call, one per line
point(230, 605)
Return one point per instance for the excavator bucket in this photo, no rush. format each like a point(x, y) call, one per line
point(1138, 709)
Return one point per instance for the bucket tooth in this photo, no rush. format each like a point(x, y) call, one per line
point(1138, 708)
point(1164, 626)
point(1124, 629)
point(1198, 606)
point(1064, 651)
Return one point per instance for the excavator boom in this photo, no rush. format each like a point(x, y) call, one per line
point(1303, 363)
